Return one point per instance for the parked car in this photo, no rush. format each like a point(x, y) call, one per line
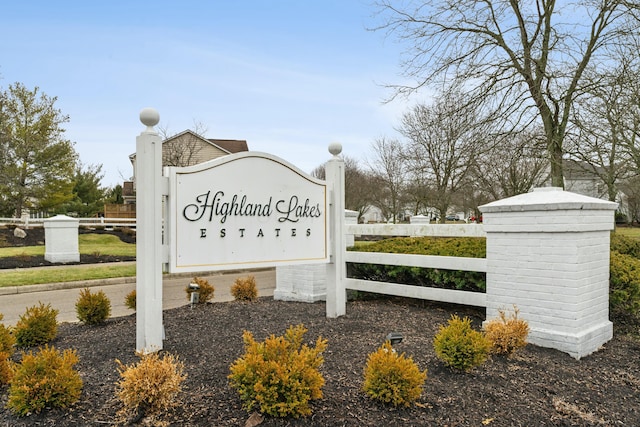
point(452, 218)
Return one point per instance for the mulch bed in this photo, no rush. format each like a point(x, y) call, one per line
point(536, 387)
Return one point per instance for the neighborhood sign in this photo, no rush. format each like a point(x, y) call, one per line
point(245, 210)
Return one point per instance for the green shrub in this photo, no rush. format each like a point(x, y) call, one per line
point(205, 291)
point(93, 308)
point(45, 379)
point(37, 326)
point(460, 346)
point(625, 245)
point(151, 385)
point(507, 334)
point(244, 289)
point(130, 300)
point(279, 376)
point(472, 247)
point(392, 378)
point(624, 285)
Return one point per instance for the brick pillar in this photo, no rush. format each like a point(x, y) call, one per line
point(548, 254)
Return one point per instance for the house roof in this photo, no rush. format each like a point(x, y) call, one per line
point(231, 145)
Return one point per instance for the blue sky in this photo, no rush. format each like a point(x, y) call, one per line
point(289, 76)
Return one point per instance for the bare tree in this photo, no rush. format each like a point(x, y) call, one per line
point(358, 185)
point(444, 141)
point(182, 151)
point(607, 124)
point(389, 173)
point(528, 57)
point(513, 166)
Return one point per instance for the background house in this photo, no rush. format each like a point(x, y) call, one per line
point(184, 149)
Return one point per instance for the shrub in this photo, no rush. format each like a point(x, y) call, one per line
point(459, 346)
point(6, 350)
point(279, 376)
point(624, 285)
point(93, 308)
point(507, 334)
point(6, 368)
point(37, 326)
point(130, 300)
point(244, 289)
point(151, 385)
point(45, 379)
point(392, 378)
point(472, 247)
point(205, 291)
point(625, 245)
point(6, 339)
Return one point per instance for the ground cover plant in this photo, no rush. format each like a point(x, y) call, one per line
point(534, 387)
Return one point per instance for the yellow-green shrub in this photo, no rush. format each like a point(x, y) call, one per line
point(37, 326)
point(93, 308)
point(507, 334)
point(45, 379)
point(6, 350)
point(460, 346)
point(6, 339)
point(624, 285)
point(279, 376)
point(151, 385)
point(205, 291)
point(130, 300)
point(244, 289)
point(392, 378)
point(6, 368)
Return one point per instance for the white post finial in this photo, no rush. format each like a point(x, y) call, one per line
point(335, 148)
point(149, 117)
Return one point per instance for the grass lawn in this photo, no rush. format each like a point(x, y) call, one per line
point(89, 244)
point(70, 273)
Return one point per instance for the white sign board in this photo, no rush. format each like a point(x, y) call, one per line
point(245, 210)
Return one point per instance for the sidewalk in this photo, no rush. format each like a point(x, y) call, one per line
point(14, 300)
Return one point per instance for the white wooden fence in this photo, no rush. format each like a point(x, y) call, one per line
point(84, 222)
point(423, 261)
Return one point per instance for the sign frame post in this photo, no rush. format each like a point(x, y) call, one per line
point(336, 304)
point(149, 326)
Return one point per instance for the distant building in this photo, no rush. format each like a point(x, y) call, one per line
point(184, 149)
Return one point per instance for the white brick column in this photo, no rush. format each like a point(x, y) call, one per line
point(548, 254)
point(61, 239)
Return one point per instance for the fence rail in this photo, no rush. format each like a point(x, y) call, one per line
point(85, 222)
point(423, 261)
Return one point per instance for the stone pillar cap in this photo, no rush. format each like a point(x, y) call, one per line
point(547, 199)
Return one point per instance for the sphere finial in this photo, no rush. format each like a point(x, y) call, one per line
point(335, 148)
point(149, 117)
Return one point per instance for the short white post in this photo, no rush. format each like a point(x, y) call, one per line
point(149, 328)
point(336, 269)
point(61, 239)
